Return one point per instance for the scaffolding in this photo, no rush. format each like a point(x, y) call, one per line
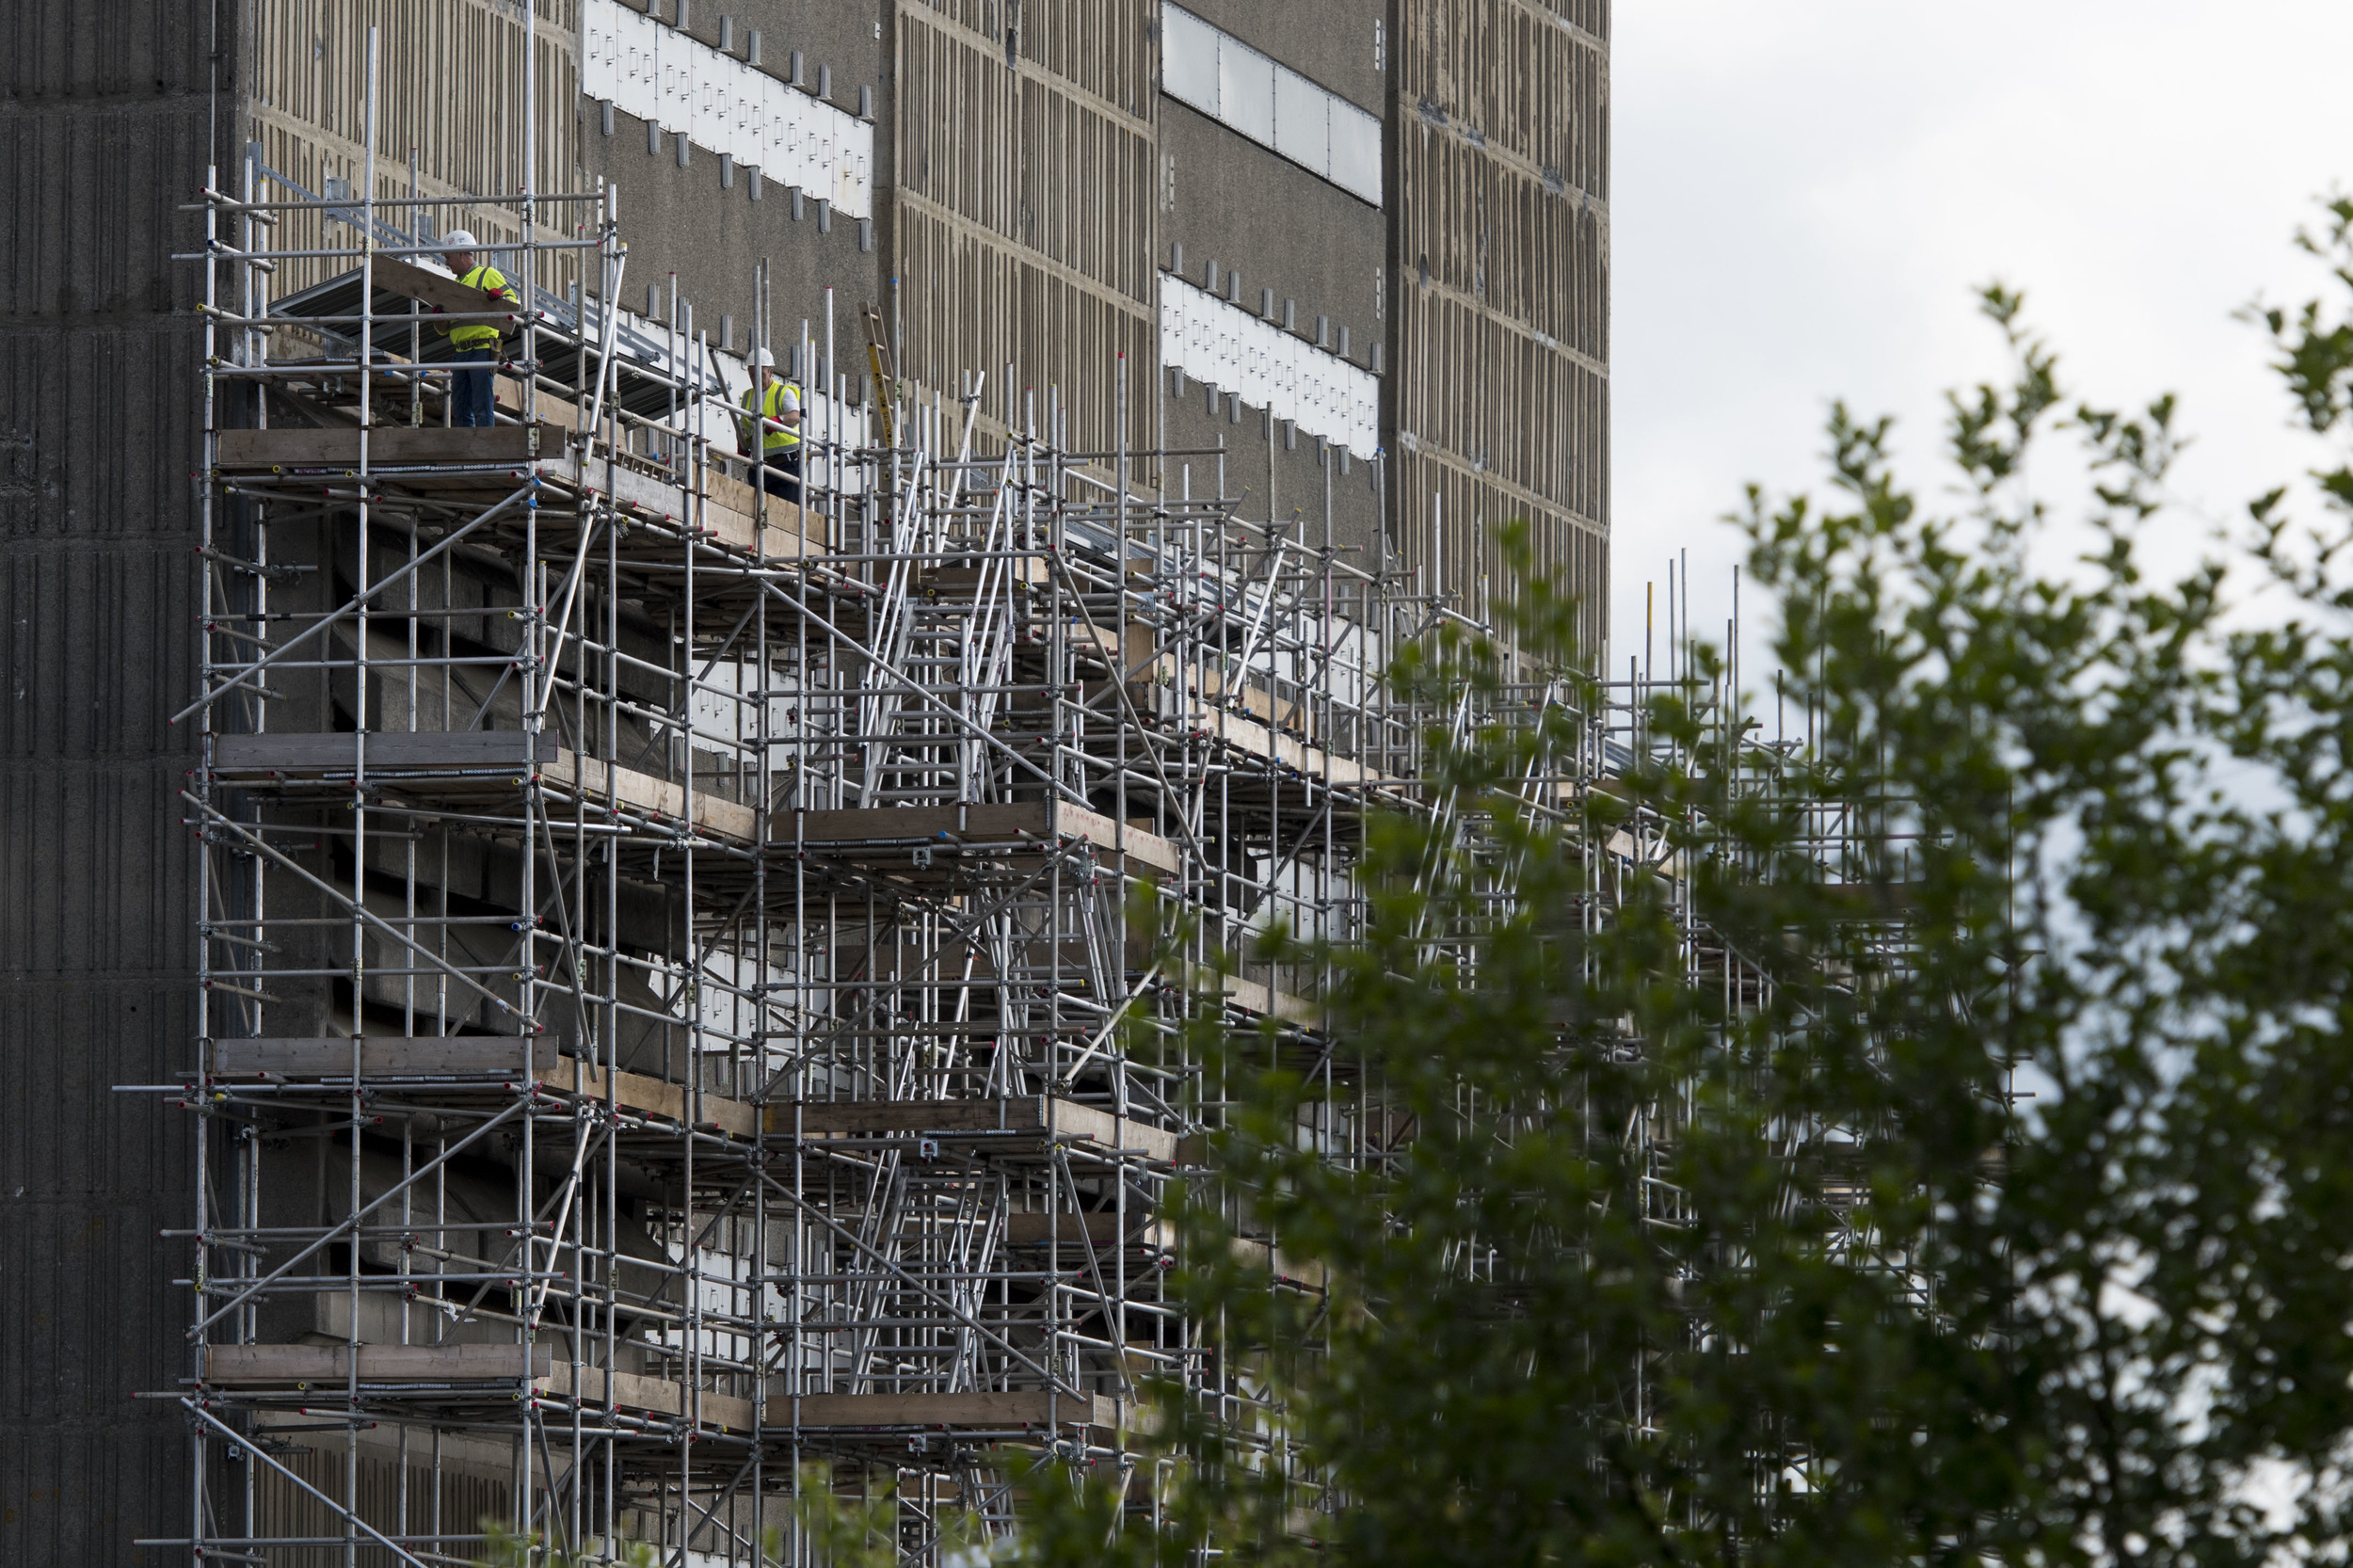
point(687, 985)
point(672, 973)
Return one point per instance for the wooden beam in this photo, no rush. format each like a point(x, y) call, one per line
point(659, 1396)
point(1045, 1116)
point(429, 287)
point(1231, 730)
point(380, 1056)
point(317, 1363)
point(650, 1096)
point(443, 1056)
point(338, 752)
point(1043, 820)
point(389, 446)
point(503, 749)
point(589, 778)
point(993, 1410)
point(731, 508)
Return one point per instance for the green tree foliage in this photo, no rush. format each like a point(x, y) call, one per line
point(1974, 1189)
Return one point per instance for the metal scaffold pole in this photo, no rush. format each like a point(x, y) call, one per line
point(671, 1026)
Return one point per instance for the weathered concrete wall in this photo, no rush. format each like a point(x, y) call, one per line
point(104, 129)
point(683, 221)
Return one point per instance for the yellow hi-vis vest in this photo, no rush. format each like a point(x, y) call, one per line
point(771, 405)
point(482, 334)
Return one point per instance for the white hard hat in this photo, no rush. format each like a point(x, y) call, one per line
point(458, 239)
point(764, 360)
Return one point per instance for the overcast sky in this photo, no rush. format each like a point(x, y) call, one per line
point(1805, 192)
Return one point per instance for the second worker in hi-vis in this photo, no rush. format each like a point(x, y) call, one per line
point(775, 404)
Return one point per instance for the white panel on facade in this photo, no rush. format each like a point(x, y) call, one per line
point(798, 154)
point(794, 170)
point(1236, 351)
point(1172, 329)
point(861, 138)
point(755, 131)
point(1355, 150)
point(709, 105)
point(628, 64)
point(645, 50)
point(793, 138)
point(1245, 89)
point(657, 85)
point(1271, 104)
point(1303, 117)
point(1306, 388)
point(629, 87)
point(816, 154)
point(725, 105)
point(675, 51)
point(757, 110)
point(596, 75)
point(770, 127)
point(743, 105)
point(1188, 59)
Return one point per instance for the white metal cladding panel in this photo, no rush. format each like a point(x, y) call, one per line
point(1172, 329)
point(816, 148)
point(1303, 121)
point(720, 103)
point(1355, 150)
point(706, 104)
point(1188, 59)
point(1245, 89)
point(792, 131)
point(780, 141)
point(600, 55)
point(645, 54)
point(1227, 347)
point(714, 102)
point(739, 136)
point(674, 60)
point(758, 109)
point(619, 59)
point(1270, 103)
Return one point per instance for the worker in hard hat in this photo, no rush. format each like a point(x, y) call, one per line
point(773, 431)
point(476, 341)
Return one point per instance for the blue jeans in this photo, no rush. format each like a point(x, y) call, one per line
point(470, 389)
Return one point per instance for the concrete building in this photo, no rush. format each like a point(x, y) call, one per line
point(1362, 248)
